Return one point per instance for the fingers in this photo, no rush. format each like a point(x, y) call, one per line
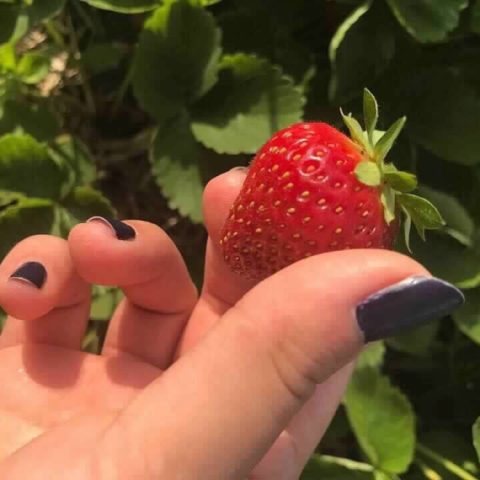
point(221, 287)
point(259, 365)
point(220, 282)
point(46, 300)
point(289, 454)
point(141, 259)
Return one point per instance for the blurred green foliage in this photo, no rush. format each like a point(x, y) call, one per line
point(193, 87)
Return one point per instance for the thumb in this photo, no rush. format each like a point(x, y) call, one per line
point(236, 390)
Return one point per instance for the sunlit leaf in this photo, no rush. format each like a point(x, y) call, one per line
point(252, 100)
point(175, 158)
point(383, 420)
point(176, 59)
point(428, 21)
point(26, 166)
point(125, 6)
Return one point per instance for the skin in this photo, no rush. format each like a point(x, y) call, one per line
point(240, 382)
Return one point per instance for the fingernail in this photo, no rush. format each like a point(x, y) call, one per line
point(33, 273)
point(120, 229)
point(406, 305)
point(239, 169)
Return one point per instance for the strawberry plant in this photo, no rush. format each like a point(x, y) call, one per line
point(131, 106)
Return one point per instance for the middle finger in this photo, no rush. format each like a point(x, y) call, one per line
point(141, 259)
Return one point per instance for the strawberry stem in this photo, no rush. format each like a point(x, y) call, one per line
point(394, 185)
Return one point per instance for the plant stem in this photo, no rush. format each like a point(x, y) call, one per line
point(54, 33)
point(427, 471)
point(83, 14)
point(75, 50)
point(347, 463)
point(122, 91)
point(445, 463)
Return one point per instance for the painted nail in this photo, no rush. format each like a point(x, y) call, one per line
point(406, 305)
point(120, 229)
point(33, 273)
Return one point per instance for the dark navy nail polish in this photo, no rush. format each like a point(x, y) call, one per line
point(121, 230)
point(406, 305)
point(33, 273)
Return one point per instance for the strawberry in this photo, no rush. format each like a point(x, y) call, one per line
point(311, 189)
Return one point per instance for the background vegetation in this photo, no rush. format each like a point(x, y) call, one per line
point(130, 106)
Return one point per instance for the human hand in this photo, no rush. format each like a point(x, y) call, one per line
point(241, 382)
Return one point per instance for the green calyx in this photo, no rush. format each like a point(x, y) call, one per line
point(395, 185)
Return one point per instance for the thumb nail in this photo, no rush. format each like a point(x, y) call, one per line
point(240, 169)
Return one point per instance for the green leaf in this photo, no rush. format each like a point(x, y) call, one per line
point(8, 20)
point(3, 317)
point(476, 436)
point(24, 23)
point(388, 198)
point(475, 21)
point(176, 167)
point(204, 3)
point(428, 21)
point(9, 198)
point(385, 144)
point(27, 167)
point(370, 112)
point(382, 419)
point(104, 302)
point(372, 355)
point(29, 216)
point(31, 12)
point(407, 228)
point(71, 153)
point(39, 10)
point(459, 223)
point(252, 100)
point(404, 182)
point(417, 342)
point(425, 216)
point(8, 59)
point(445, 258)
point(270, 25)
point(85, 202)
point(379, 475)
point(356, 132)
point(443, 114)
point(124, 6)
point(368, 173)
point(184, 42)
point(81, 204)
point(366, 29)
point(326, 467)
point(467, 317)
point(33, 68)
point(101, 57)
point(35, 119)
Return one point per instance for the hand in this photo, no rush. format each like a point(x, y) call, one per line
point(239, 383)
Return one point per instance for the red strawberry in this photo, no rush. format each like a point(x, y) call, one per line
point(311, 189)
